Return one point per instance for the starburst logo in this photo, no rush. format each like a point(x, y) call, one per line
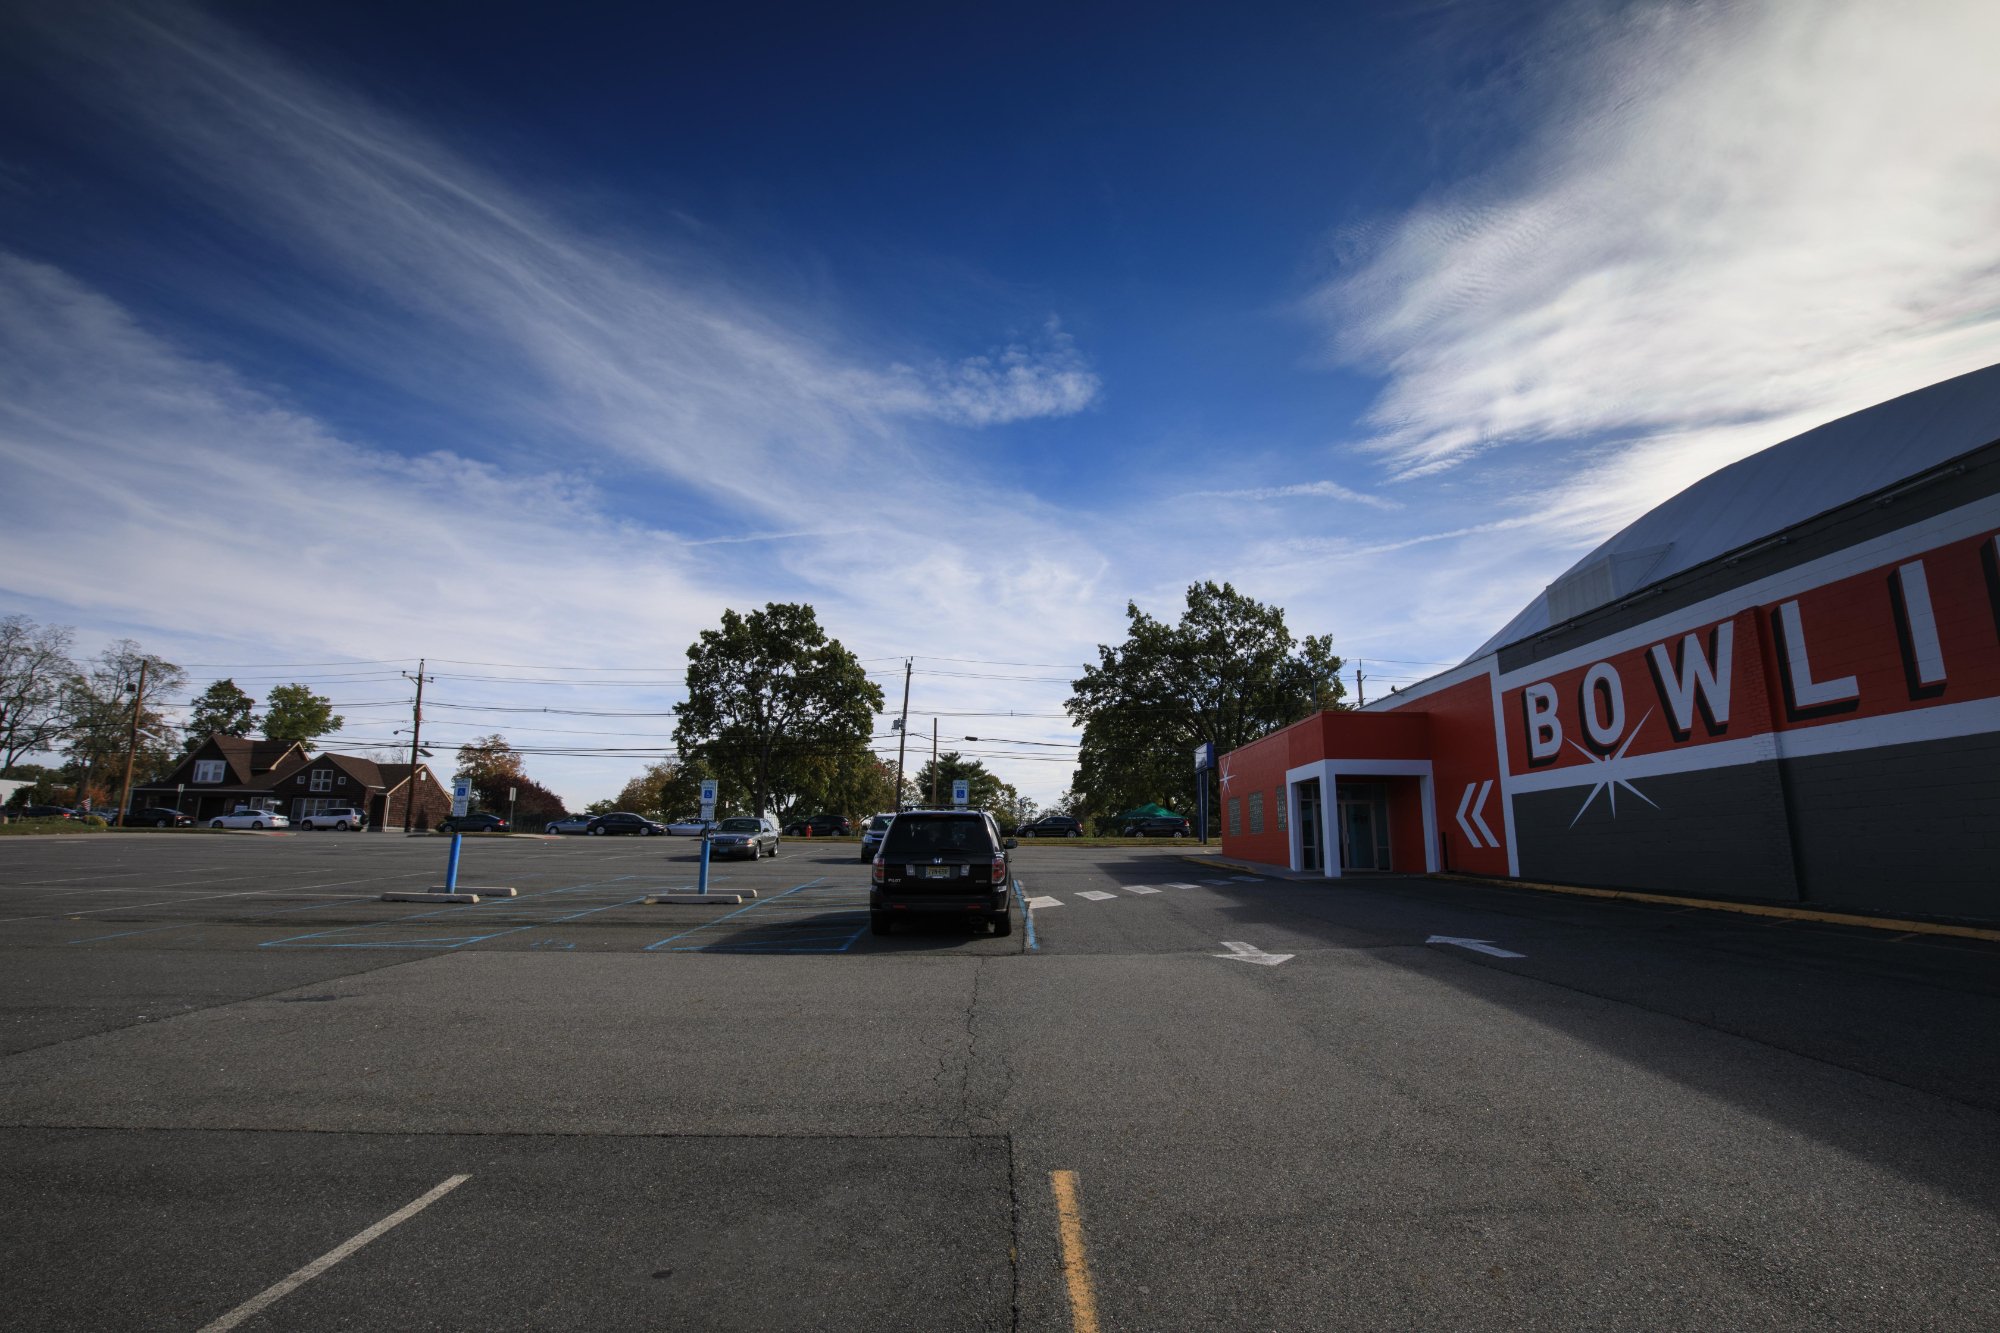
point(1610, 782)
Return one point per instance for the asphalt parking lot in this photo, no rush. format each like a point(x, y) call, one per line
point(1272, 1104)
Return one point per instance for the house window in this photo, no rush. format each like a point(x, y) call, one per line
point(1256, 812)
point(1235, 817)
point(1279, 806)
point(322, 779)
point(340, 781)
point(209, 770)
point(300, 779)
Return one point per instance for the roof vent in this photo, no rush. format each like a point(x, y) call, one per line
point(1591, 585)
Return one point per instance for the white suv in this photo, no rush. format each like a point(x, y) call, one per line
point(338, 817)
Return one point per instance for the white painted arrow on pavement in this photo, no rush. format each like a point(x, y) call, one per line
point(1477, 946)
point(1250, 953)
point(1477, 808)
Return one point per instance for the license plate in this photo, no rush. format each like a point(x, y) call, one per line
point(940, 872)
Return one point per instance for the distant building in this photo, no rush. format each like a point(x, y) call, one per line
point(225, 772)
point(1782, 684)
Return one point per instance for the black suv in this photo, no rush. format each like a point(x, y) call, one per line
point(819, 826)
point(1052, 826)
point(1157, 827)
point(624, 821)
point(938, 863)
point(481, 823)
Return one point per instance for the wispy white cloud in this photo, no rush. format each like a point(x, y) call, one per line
point(1048, 378)
point(1730, 222)
point(1316, 490)
point(666, 440)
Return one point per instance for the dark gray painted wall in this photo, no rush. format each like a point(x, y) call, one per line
point(1720, 833)
point(1902, 828)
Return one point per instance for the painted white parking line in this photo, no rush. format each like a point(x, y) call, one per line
point(1044, 902)
point(1140, 888)
point(1179, 885)
point(333, 1256)
point(1248, 879)
point(1215, 881)
point(1097, 895)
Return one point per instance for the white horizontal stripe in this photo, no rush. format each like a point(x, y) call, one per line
point(1044, 902)
point(1942, 722)
point(1140, 888)
point(1965, 521)
point(1097, 896)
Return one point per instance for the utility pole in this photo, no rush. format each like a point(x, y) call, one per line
point(903, 732)
point(416, 734)
point(1360, 688)
point(132, 746)
point(934, 764)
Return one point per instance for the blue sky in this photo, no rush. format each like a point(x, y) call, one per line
point(509, 334)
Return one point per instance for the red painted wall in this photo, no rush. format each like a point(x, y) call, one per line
point(1850, 628)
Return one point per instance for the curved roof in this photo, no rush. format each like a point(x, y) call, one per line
point(1772, 490)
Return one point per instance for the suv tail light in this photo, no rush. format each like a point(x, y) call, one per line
point(999, 870)
point(877, 869)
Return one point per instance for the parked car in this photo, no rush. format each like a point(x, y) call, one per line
point(942, 862)
point(338, 817)
point(690, 826)
point(50, 812)
point(474, 823)
point(568, 824)
point(871, 837)
point(820, 826)
point(158, 816)
point(746, 835)
point(255, 819)
point(623, 821)
point(1052, 826)
point(1156, 826)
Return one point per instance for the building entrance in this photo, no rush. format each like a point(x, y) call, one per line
point(1307, 795)
point(1363, 813)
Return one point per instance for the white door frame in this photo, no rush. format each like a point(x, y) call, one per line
point(1328, 772)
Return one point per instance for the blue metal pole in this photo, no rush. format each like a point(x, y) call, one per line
point(451, 866)
point(703, 888)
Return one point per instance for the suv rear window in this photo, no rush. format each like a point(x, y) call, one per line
point(924, 835)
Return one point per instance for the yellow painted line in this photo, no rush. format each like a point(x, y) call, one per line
point(1076, 1265)
point(1747, 909)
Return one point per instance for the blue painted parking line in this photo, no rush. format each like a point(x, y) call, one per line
point(1027, 915)
point(710, 925)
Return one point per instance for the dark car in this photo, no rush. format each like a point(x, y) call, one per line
point(49, 812)
point(1052, 826)
point(936, 863)
point(158, 816)
point(1155, 826)
point(819, 826)
point(624, 821)
point(480, 823)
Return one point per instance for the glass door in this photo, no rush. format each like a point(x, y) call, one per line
point(1357, 836)
point(1307, 795)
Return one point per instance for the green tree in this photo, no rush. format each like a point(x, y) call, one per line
point(221, 707)
point(666, 790)
point(1228, 672)
point(984, 791)
point(36, 675)
point(100, 705)
point(774, 706)
point(295, 713)
point(491, 764)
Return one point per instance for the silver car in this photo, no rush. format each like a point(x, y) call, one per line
point(746, 836)
point(256, 819)
point(567, 824)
